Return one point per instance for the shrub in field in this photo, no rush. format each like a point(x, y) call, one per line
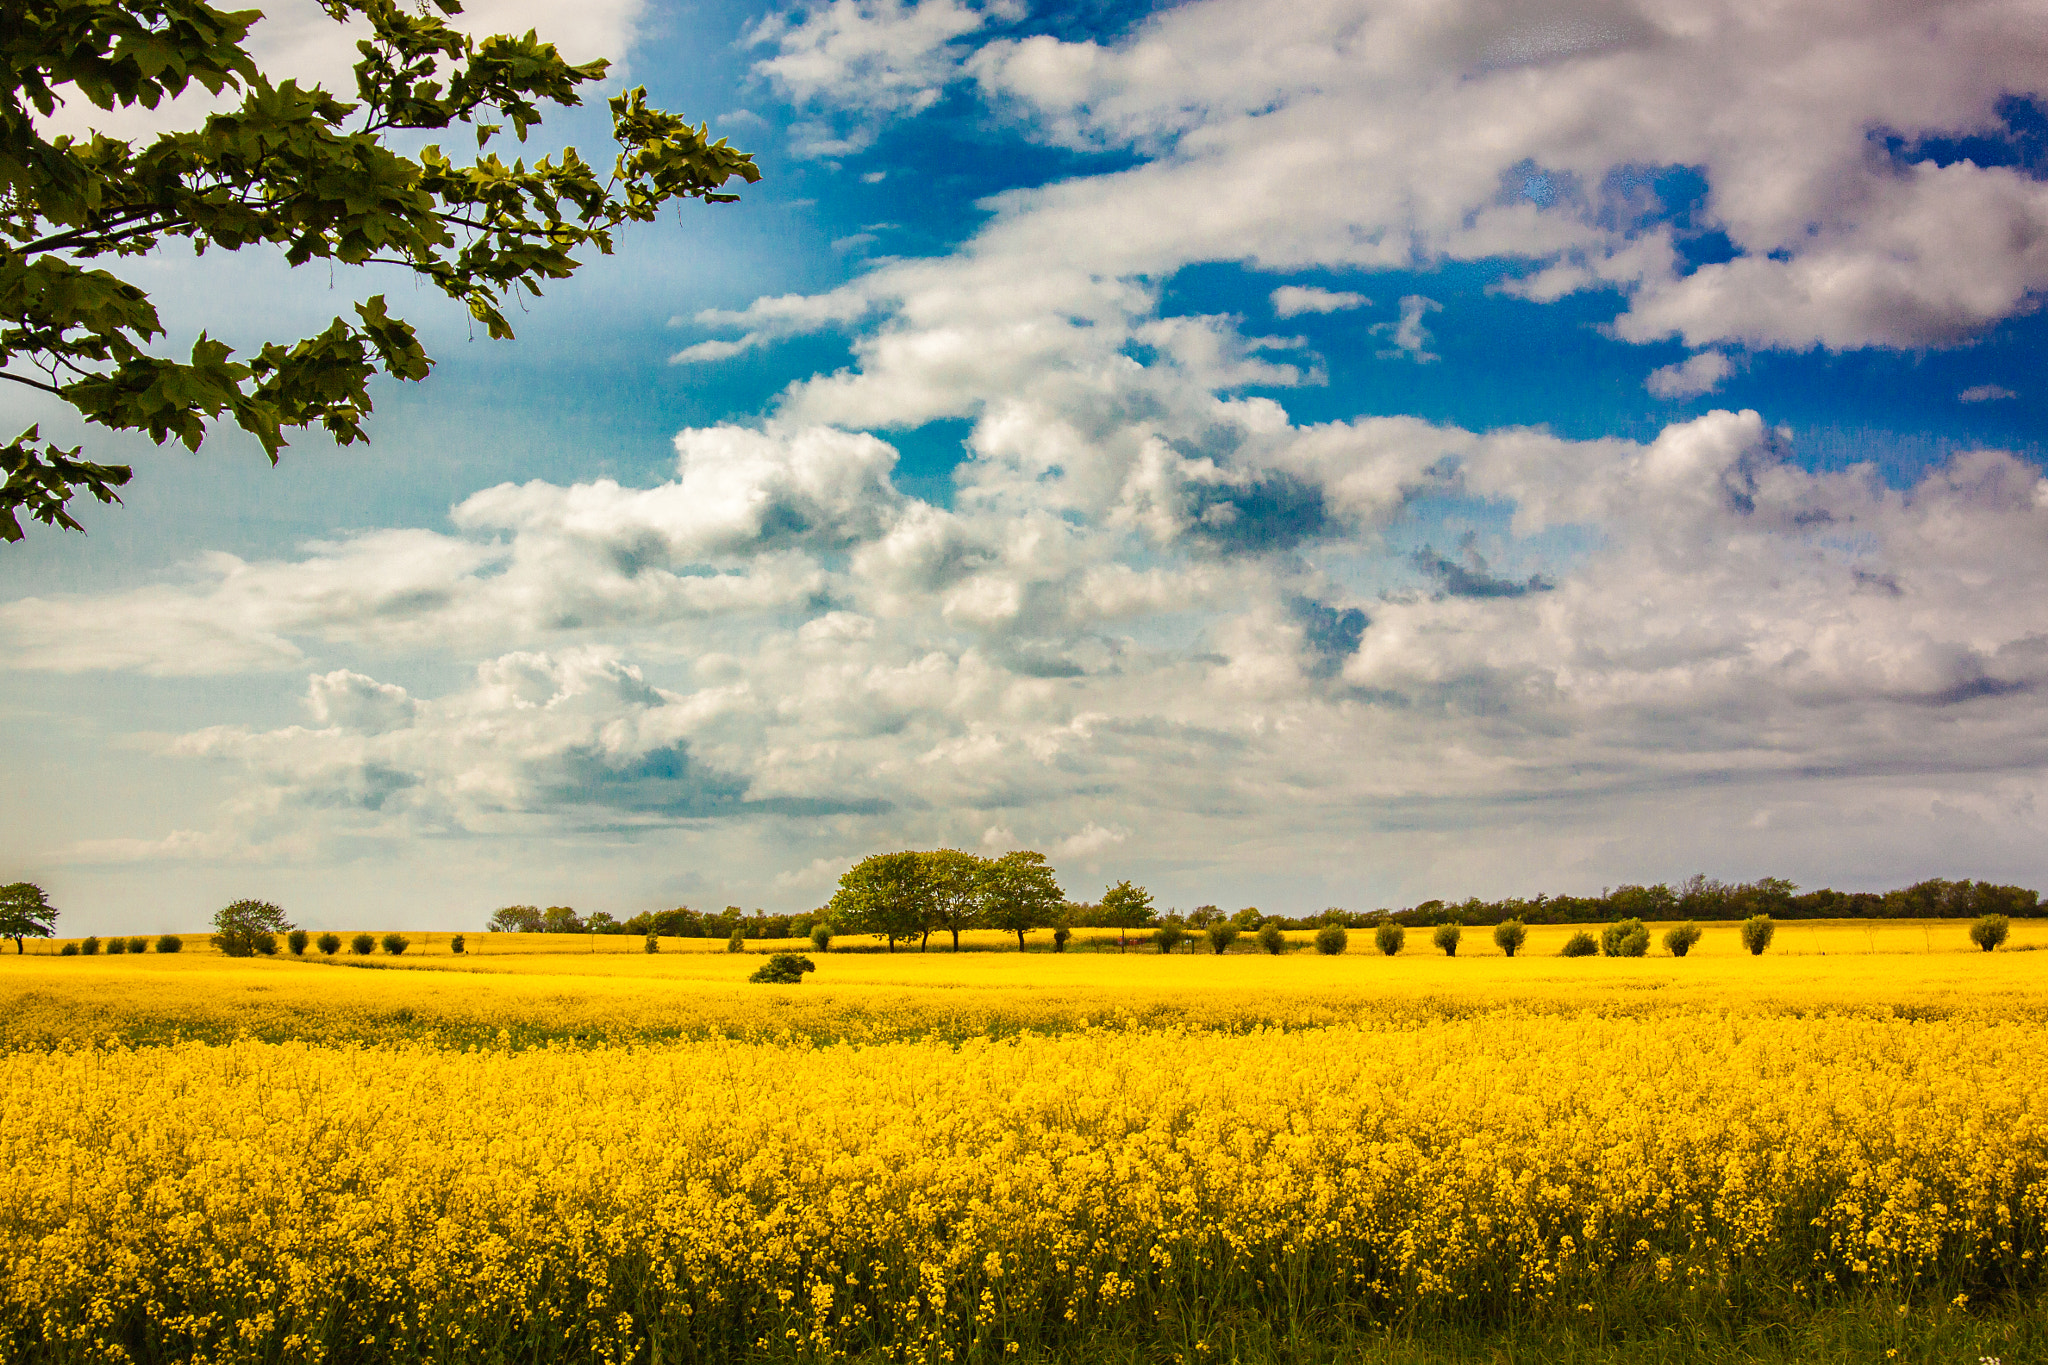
point(116, 946)
point(330, 944)
point(1990, 931)
point(395, 944)
point(362, 945)
point(1509, 935)
point(458, 944)
point(68, 950)
point(1581, 944)
point(1331, 940)
point(1679, 941)
point(170, 943)
point(1221, 936)
point(1389, 937)
point(138, 945)
point(89, 945)
point(1756, 934)
point(1625, 938)
point(297, 940)
point(821, 938)
point(266, 944)
point(737, 943)
point(783, 969)
point(1446, 937)
point(651, 944)
point(1272, 939)
point(1060, 934)
point(1168, 936)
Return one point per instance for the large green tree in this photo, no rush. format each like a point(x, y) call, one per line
point(319, 178)
point(25, 912)
point(1126, 907)
point(1019, 894)
point(884, 894)
point(246, 927)
point(953, 883)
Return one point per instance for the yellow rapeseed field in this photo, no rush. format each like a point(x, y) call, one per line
point(936, 1158)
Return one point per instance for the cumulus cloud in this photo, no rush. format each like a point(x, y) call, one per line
point(1410, 337)
point(1691, 377)
point(1292, 300)
point(1985, 393)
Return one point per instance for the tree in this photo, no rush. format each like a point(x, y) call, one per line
point(883, 894)
point(560, 919)
point(1625, 938)
point(1272, 939)
point(952, 882)
point(241, 928)
point(1169, 935)
point(1221, 935)
point(1446, 938)
point(1019, 893)
point(1332, 940)
point(1124, 908)
point(514, 919)
point(296, 169)
point(1389, 937)
point(1757, 932)
point(25, 912)
point(1987, 933)
point(1509, 935)
point(1679, 939)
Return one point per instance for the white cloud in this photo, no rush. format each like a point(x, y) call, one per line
point(1985, 393)
point(1292, 300)
point(1410, 336)
point(1691, 377)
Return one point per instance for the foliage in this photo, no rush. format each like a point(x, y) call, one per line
point(821, 938)
point(737, 943)
point(1272, 939)
point(240, 927)
point(1061, 933)
point(170, 943)
point(783, 969)
point(1220, 935)
point(1332, 940)
point(362, 945)
point(1169, 936)
point(116, 946)
point(25, 912)
point(1509, 936)
point(68, 950)
point(89, 945)
point(1446, 938)
point(884, 894)
point(1389, 938)
point(1581, 944)
point(457, 944)
point(1247, 919)
point(1680, 939)
point(1757, 932)
point(1990, 931)
point(329, 944)
point(561, 919)
point(395, 944)
point(515, 919)
point(952, 891)
point(1625, 938)
point(138, 945)
point(651, 944)
point(299, 171)
point(297, 940)
point(1124, 906)
point(1019, 894)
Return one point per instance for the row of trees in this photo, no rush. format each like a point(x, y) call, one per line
point(681, 922)
point(911, 895)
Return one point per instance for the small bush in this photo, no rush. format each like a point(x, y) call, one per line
point(1060, 934)
point(783, 969)
point(651, 944)
point(1509, 936)
point(1331, 940)
point(330, 944)
point(1446, 937)
point(362, 945)
point(1624, 938)
point(1272, 939)
point(1581, 944)
point(1990, 931)
point(138, 945)
point(737, 943)
point(1679, 941)
point(297, 940)
point(116, 946)
point(68, 950)
point(1220, 937)
point(821, 938)
point(1756, 934)
point(1168, 936)
point(170, 943)
point(395, 944)
point(1389, 938)
point(458, 944)
point(265, 943)
point(89, 945)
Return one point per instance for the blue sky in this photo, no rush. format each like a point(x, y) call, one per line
point(1332, 456)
